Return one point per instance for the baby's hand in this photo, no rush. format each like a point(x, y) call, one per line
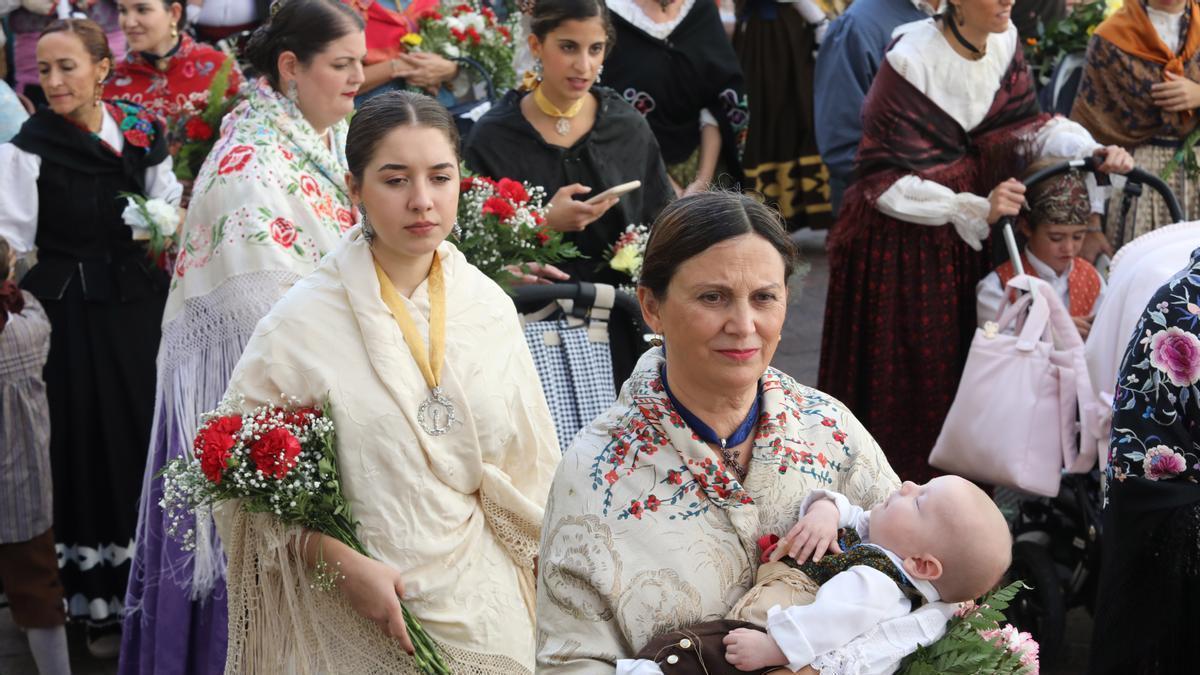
point(747, 649)
point(813, 535)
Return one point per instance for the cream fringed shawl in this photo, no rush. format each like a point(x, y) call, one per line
point(459, 515)
point(646, 532)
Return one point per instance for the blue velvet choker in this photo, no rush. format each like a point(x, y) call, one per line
point(706, 433)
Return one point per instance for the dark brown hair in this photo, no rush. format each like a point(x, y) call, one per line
point(303, 27)
point(383, 113)
point(95, 42)
point(691, 225)
point(550, 14)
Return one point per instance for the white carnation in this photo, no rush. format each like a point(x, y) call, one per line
point(133, 216)
point(164, 215)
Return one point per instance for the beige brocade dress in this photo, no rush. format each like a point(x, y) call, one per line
point(647, 532)
point(458, 514)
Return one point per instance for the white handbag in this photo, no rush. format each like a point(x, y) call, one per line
point(1025, 404)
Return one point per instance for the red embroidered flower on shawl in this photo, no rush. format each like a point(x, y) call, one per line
point(236, 159)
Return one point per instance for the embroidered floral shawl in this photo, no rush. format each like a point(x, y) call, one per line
point(646, 530)
point(269, 202)
point(457, 514)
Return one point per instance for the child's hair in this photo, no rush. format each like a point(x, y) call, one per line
point(1062, 200)
point(11, 300)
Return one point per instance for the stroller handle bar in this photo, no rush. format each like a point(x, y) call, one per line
point(1090, 165)
point(583, 294)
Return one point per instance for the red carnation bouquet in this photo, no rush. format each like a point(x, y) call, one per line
point(468, 29)
point(276, 460)
point(504, 227)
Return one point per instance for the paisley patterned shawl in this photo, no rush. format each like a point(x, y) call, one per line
point(1114, 100)
point(270, 197)
point(647, 531)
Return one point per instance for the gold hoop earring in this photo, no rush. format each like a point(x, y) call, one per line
point(174, 31)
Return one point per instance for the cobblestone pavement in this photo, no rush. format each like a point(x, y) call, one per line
point(798, 353)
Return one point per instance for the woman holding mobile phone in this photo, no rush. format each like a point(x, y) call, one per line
point(575, 139)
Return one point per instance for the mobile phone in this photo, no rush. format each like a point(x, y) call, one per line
point(615, 191)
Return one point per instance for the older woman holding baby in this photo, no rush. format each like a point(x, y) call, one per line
point(656, 510)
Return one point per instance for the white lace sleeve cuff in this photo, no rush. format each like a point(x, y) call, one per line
point(707, 119)
point(924, 202)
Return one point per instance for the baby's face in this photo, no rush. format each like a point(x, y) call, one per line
point(911, 520)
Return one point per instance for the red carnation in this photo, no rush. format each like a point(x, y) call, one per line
point(458, 34)
point(543, 237)
point(499, 207)
point(513, 191)
point(213, 443)
point(275, 453)
point(473, 34)
point(197, 129)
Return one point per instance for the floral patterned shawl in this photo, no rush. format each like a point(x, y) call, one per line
point(269, 202)
point(647, 531)
point(1150, 569)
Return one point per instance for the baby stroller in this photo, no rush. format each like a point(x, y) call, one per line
point(584, 339)
point(1057, 541)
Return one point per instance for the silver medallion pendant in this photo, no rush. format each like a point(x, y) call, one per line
point(563, 126)
point(436, 414)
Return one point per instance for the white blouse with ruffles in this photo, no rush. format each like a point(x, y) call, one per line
point(965, 89)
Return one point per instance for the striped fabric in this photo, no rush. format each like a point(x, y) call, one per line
point(25, 483)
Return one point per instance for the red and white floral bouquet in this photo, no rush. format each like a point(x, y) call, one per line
point(276, 460)
point(467, 30)
point(503, 226)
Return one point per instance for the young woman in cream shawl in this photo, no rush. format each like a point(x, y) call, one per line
point(649, 528)
point(451, 520)
point(269, 202)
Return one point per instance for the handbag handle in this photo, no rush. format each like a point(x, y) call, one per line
point(1036, 327)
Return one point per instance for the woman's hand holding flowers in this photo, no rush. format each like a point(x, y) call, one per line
point(1177, 94)
point(371, 587)
point(814, 535)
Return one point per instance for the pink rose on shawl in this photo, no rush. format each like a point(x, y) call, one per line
point(1176, 353)
point(1163, 462)
point(189, 69)
point(235, 160)
point(283, 232)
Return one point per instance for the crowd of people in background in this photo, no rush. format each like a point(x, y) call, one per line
point(296, 139)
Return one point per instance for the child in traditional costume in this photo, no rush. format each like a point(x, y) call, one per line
point(937, 543)
point(28, 562)
point(1055, 228)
